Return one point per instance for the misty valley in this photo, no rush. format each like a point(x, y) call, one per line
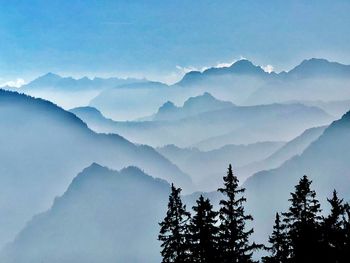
point(229, 163)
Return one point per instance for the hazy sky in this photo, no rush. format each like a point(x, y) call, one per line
point(159, 39)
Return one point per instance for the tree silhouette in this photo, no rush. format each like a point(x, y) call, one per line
point(173, 230)
point(279, 244)
point(203, 233)
point(333, 235)
point(234, 245)
point(302, 221)
point(345, 254)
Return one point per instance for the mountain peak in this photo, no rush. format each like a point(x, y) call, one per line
point(50, 75)
point(206, 100)
point(319, 66)
point(245, 66)
point(167, 106)
point(243, 63)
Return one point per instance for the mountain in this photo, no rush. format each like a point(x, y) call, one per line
point(313, 80)
point(213, 129)
point(192, 106)
point(70, 92)
point(207, 168)
point(286, 152)
point(44, 146)
point(56, 82)
point(104, 216)
point(325, 161)
point(241, 67)
point(319, 68)
point(234, 83)
point(96, 120)
point(281, 122)
point(336, 108)
point(131, 101)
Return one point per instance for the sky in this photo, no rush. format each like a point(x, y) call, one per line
point(163, 39)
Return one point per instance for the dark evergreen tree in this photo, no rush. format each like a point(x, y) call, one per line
point(174, 230)
point(203, 233)
point(345, 253)
point(333, 236)
point(303, 221)
point(234, 245)
point(279, 243)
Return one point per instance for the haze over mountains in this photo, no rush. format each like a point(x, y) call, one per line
point(272, 127)
point(103, 216)
point(80, 227)
point(325, 161)
point(243, 83)
point(202, 165)
point(43, 147)
point(225, 123)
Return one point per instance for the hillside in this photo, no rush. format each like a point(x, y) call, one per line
point(207, 127)
point(325, 161)
point(207, 167)
point(104, 216)
point(286, 152)
point(43, 147)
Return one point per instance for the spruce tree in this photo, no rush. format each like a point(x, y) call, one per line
point(333, 236)
point(279, 243)
point(234, 245)
point(203, 233)
point(302, 221)
point(174, 230)
point(345, 253)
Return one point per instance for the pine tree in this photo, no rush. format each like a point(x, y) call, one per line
point(279, 243)
point(203, 233)
point(174, 230)
point(333, 236)
point(234, 243)
point(345, 252)
point(302, 221)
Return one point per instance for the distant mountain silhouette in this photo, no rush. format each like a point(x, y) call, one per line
point(43, 147)
point(104, 216)
point(192, 106)
point(307, 68)
point(287, 151)
point(266, 123)
point(313, 79)
point(325, 161)
point(336, 108)
point(55, 81)
point(207, 168)
point(321, 68)
point(224, 124)
point(70, 92)
point(242, 83)
point(94, 116)
point(241, 67)
point(133, 100)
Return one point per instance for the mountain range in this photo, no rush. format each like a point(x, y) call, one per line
point(207, 167)
point(106, 214)
point(324, 161)
point(43, 147)
point(214, 126)
point(243, 83)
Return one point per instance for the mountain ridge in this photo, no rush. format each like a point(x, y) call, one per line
point(103, 215)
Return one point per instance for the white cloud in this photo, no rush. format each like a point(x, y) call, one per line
point(268, 68)
point(14, 83)
point(187, 69)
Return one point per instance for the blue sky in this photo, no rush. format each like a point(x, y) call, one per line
point(159, 39)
